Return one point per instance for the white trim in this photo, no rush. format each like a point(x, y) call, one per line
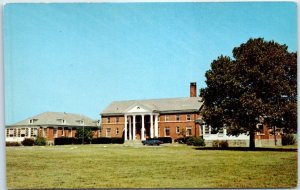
point(165, 131)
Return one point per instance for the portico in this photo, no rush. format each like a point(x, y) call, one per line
point(140, 122)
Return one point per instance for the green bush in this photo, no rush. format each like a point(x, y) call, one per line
point(40, 141)
point(220, 144)
point(215, 143)
point(223, 144)
point(288, 139)
point(13, 144)
point(195, 141)
point(28, 142)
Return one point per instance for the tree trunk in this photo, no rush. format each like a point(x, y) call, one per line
point(252, 138)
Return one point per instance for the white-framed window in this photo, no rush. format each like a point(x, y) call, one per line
point(260, 128)
point(34, 132)
point(177, 117)
point(188, 117)
point(10, 132)
point(188, 131)
point(221, 131)
point(108, 120)
point(26, 132)
point(117, 131)
point(167, 131)
point(117, 119)
point(177, 129)
point(206, 128)
point(108, 132)
point(98, 123)
point(167, 117)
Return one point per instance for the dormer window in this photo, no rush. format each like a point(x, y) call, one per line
point(62, 121)
point(81, 122)
point(31, 121)
point(98, 123)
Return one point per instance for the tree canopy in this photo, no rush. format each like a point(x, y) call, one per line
point(259, 81)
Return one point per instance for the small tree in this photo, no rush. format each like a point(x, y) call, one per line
point(86, 134)
point(40, 141)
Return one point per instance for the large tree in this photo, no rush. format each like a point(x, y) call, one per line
point(259, 81)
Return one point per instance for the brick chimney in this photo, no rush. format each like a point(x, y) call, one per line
point(193, 89)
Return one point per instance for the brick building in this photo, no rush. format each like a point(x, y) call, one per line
point(141, 119)
point(50, 125)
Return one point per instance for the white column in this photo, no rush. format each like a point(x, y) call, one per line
point(134, 128)
point(29, 132)
point(156, 126)
point(151, 126)
point(203, 129)
point(130, 134)
point(125, 128)
point(143, 127)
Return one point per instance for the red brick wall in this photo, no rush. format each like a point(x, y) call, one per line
point(172, 123)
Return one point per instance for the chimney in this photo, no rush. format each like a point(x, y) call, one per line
point(193, 89)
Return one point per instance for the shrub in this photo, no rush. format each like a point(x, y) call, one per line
point(288, 139)
point(106, 140)
point(199, 141)
point(195, 141)
point(215, 143)
point(63, 141)
point(13, 144)
point(40, 141)
point(28, 142)
point(220, 144)
point(223, 144)
point(181, 140)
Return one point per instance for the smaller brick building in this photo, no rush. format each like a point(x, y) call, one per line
point(50, 125)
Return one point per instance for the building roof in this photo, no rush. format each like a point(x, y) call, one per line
point(167, 105)
point(56, 119)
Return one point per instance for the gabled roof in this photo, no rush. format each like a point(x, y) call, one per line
point(167, 105)
point(55, 118)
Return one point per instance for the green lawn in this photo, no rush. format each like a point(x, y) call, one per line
point(172, 166)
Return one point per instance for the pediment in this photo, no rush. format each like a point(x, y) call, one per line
point(138, 108)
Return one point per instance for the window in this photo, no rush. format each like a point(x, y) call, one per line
point(19, 133)
point(26, 132)
point(167, 118)
point(188, 131)
point(188, 117)
point(45, 132)
point(167, 132)
point(55, 132)
point(177, 129)
point(117, 120)
point(260, 128)
point(108, 132)
point(117, 131)
point(206, 128)
point(108, 120)
point(177, 117)
point(34, 132)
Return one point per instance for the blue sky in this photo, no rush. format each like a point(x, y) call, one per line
point(78, 58)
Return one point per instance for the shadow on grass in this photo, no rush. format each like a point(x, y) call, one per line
point(275, 149)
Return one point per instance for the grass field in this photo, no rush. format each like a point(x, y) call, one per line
point(172, 166)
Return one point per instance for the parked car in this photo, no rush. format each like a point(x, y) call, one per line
point(152, 142)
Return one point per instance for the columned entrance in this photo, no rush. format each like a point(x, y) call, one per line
point(139, 126)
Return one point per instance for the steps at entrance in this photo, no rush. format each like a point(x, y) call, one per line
point(133, 143)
